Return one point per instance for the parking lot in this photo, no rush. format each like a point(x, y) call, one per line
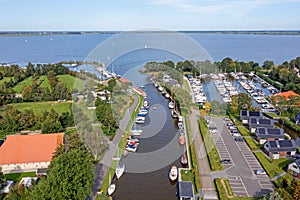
point(241, 170)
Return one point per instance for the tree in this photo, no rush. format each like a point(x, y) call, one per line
point(268, 65)
point(234, 106)
point(295, 186)
point(27, 93)
point(2, 180)
point(51, 124)
point(244, 101)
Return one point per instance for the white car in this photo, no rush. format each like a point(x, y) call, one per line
point(260, 172)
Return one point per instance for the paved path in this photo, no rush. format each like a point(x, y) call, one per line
point(203, 165)
point(277, 177)
point(103, 166)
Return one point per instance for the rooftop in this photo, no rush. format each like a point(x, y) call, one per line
point(281, 145)
point(261, 122)
point(185, 189)
point(29, 148)
point(263, 132)
point(287, 95)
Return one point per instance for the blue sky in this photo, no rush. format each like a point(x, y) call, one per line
point(138, 14)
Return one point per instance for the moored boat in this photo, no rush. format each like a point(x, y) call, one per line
point(174, 114)
point(140, 120)
point(181, 140)
point(183, 159)
point(173, 173)
point(111, 189)
point(171, 105)
point(167, 95)
point(120, 170)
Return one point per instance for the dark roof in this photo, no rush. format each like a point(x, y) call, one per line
point(262, 132)
point(280, 145)
point(185, 189)
point(1, 142)
point(248, 114)
point(260, 122)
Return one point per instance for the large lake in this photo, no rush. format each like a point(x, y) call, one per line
point(243, 47)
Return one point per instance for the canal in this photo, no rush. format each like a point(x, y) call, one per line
point(146, 171)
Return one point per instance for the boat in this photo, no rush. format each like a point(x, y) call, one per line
point(120, 170)
point(145, 104)
point(181, 131)
point(183, 159)
point(181, 140)
point(131, 148)
point(155, 85)
point(135, 131)
point(160, 89)
point(174, 114)
point(111, 189)
point(140, 120)
point(125, 153)
point(167, 95)
point(132, 139)
point(173, 173)
point(171, 105)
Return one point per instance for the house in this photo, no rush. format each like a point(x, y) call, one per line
point(27, 153)
point(245, 115)
point(185, 190)
point(255, 123)
point(294, 168)
point(280, 148)
point(263, 134)
point(287, 95)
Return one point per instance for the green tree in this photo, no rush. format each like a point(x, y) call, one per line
point(51, 124)
point(268, 65)
point(244, 101)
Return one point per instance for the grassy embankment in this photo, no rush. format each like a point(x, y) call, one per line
point(121, 146)
point(211, 150)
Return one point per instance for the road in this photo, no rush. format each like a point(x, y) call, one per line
point(103, 166)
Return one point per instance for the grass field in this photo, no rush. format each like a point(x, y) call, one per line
point(28, 81)
point(17, 177)
point(38, 107)
point(69, 81)
point(5, 79)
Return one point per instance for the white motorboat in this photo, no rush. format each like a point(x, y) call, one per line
point(167, 95)
point(131, 148)
point(174, 113)
point(120, 170)
point(146, 104)
point(136, 132)
point(171, 104)
point(173, 173)
point(132, 139)
point(160, 89)
point(111, 189)
point(140, 120)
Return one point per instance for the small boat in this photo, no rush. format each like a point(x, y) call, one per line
point(174, 113)
point(167, 95)
point(181, 140)
point(171, 105)
point(155, 85)
point(111, 189)
point(183, 159)
point(136, 132)
point(125, 153)
point(145, 104)
point(181, 131)
point(173, 173)
point(131, 148)
point(140, 120)
point(160, 89)
point(132, 139)
point(120, 170)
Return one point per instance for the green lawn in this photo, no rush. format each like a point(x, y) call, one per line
point(45, 82)
point(28, 81)
point(72, 82)
point(17, 177)
point(251, 143)
point(38, 107)
point(272, 167)
point(5, 79)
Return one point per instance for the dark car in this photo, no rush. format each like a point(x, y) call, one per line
point(234, 131)
point(229, 124)
point(226, 161)
point(239, 139)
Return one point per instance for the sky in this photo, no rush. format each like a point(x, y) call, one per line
point(114, 15)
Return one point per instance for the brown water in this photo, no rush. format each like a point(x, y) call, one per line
point(146, 174)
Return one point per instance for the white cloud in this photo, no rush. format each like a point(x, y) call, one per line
point(232, 7)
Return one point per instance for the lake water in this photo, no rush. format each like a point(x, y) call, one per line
point(243, 47)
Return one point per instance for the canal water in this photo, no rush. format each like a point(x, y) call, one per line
point(147, 170)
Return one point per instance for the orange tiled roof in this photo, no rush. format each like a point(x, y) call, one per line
point(29, 148)
point(287, 94)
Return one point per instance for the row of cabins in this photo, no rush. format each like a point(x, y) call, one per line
point(275, 146)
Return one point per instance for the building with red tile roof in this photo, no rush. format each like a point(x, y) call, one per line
point(287, 95)
point(25, 153)
point(124, 80)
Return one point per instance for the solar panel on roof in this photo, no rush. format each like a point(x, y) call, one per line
point(253, 120)
point(261, 131)
point(253, 114)
point(273, 144)
point(274, 131)
point(244, 112)
point(285, 143)
point(264, 121)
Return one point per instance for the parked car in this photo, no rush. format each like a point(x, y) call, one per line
point(260, 172)
point(236, 135)
point(229, 124)
point(226, 161)
point(234, 131)
point(232, 127)
point(227, 119)
point(239, 139)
